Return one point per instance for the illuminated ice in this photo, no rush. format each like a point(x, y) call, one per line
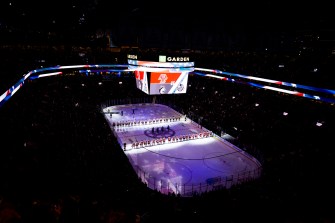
point(173, 154)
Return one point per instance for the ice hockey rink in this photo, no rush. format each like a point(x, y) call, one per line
point(173, 154)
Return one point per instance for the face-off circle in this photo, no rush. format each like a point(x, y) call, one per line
point(159, 132)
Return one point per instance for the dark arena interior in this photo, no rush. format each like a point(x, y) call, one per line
point(60, 162)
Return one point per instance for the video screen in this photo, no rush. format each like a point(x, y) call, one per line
point(142, 81)
point(167, 82)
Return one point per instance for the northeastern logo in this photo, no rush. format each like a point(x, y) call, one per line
point(180, 87)
point(162, 78)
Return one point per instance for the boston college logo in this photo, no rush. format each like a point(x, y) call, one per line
point(162, 78)
point(162, 90)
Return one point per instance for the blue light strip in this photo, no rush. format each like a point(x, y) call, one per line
point(296, 93)
point(38, 73)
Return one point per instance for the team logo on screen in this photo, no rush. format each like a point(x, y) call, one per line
point(180, 87)
point(162, 78)
point(162, 90)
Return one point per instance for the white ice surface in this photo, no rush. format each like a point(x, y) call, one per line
point(189, 162)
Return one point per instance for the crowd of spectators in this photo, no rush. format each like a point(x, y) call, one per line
point(61, 163)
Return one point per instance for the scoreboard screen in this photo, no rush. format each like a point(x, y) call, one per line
point(142, 81)
point(154, 83)
point(168, 83)
point(157, 77)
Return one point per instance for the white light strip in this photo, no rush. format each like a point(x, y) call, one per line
point(73, 66)
point(16, 89)
point(27, 75)
point(204, 69)
point(215, 76)
point(3, 96)
point(262, 79)
point(49, 74)
point(280, 90)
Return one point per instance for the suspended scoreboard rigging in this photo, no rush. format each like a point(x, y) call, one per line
point(161, 74)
